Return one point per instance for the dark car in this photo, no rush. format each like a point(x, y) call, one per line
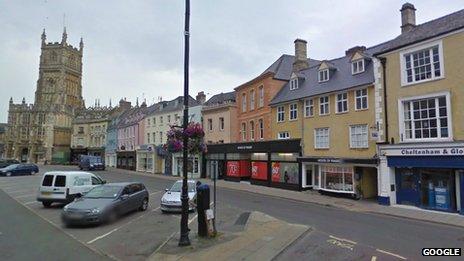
point(89, 162)
point(105, 203)
point(19, 170)
point(7, 162)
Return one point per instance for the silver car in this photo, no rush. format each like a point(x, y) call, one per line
point(170, 202)
point(106, 203)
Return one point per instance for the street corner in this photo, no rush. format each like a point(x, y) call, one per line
point(262, 237)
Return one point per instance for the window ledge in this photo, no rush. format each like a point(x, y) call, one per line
point(294, 119)
point(406, 84)
point(359, 148)
point(366, 109)
point(343, 112)
point(426, 140)
point(321, 148)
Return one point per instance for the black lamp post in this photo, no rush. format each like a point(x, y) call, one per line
point(184, 230)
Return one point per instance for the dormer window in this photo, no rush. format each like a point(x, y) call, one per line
point(357, 66)
point(323, 75)
point(294, 83)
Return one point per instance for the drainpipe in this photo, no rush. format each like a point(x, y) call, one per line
point(383, 60)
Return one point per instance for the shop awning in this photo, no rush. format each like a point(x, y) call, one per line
point(455, 162)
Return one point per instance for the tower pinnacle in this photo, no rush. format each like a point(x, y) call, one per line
point(81, 45)
point(65, 36)
point(44, 37)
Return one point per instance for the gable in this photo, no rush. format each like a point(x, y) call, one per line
point(357, 56)
point(323, 66)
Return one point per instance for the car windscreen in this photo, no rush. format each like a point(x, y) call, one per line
point(177, 187)
point(103, 192)
point(47, 181)
point(11, 167)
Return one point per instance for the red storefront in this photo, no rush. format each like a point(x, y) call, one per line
point(268, 163)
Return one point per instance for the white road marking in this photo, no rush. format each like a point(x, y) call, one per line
point(118, 228)
point(374, 258)
point(25, 196)
point(342, 239)
point(391, 254)
point(31, 202)
point(164, 243)
point(153, 193)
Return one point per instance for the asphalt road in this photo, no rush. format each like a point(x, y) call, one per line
point(337, 234)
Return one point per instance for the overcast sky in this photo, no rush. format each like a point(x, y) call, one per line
point(135, 48)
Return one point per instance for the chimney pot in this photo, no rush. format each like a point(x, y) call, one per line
point(408, 17)
point(301, 57)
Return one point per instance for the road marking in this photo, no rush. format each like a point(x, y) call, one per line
point(153, 193)
point(342, 239)
point(31, 202)
point(340, 243)
point(164, 243)
point(25, 196)
point(391, 254)
point(118, 228)
point(374, 258)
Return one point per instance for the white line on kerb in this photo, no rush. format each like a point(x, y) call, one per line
point(342, 239)
point(116, 229)
point(374, 258)
point(389, 253)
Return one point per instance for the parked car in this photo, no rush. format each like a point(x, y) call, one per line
point(89, 162)
point(170, 202)
point(7, 162)
point(65, 186)
point(19, 170)
point(106, 203)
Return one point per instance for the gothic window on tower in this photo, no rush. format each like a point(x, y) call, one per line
point(53, 57)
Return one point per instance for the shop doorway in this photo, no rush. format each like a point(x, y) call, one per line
point(438, 189)
point(309, 177)
point(407, 183)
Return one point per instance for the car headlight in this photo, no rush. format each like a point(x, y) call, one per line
point(65, 208)
point(95, 211)
point(91, 165)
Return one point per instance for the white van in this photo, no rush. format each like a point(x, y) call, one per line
point(65, 186)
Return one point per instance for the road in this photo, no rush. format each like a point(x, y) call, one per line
point(337, 234)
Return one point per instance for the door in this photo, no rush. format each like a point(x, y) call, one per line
point(407, 184)
point(309, 177)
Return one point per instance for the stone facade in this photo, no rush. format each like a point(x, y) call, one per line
point(41, 132)
point(3, 128)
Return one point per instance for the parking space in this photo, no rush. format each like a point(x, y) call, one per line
point(132, 237)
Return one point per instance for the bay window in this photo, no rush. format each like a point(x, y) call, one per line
point(337, 178)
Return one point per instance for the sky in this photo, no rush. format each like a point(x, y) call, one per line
point(135, 48)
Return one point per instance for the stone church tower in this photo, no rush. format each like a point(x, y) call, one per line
point(41, 131)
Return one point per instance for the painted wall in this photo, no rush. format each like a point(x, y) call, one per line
point(228, 134)
point(271, 87)
point(453, 82)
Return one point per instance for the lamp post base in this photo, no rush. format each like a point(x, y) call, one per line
point(184, 240)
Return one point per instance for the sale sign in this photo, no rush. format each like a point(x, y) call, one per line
point(233, 168)
point(259, 170)
point(275, 171)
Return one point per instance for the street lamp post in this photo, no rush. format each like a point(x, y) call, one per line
point(184, 230)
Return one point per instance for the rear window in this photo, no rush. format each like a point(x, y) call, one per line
point(47, 181)
point(60, 181)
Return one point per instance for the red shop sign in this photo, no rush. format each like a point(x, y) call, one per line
point(233, 169)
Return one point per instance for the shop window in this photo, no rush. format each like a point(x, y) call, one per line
point(337, 178)
point(285, 172)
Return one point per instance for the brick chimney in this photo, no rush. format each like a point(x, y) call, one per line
point(301, 57)
point(408, 17)
point(201, 97)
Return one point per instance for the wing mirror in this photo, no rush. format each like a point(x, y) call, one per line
point(103, 181)
point(166, 190)
point(124, 197)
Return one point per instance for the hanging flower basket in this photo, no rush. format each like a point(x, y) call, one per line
point(195, 134)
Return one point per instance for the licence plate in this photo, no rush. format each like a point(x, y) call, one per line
point(46, 193)
point(75, 215)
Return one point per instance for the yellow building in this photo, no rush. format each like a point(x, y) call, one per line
point(422, 154)
point(330, 107)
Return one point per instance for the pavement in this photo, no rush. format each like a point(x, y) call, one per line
point(337, 230)
point(368, 206)
point(262, 238)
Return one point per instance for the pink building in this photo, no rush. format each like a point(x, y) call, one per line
point(130, 135)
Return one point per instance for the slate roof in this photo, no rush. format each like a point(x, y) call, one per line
point(427, 30)
point(221, 98)
point(342, 79)
point(172, 105)
point(282, 67)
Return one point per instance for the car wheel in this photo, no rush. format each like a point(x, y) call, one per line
point(144, 205)
point(8, 174)
point(33, 172)
point(46, 204)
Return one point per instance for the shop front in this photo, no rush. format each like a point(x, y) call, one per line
point(146, 158)
point(426, 176)
point(126, 160)
point(100, 152)
point(193, 167)
point(267, 163)
point(356, 178)
point(110, 159)
point(76, 154)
